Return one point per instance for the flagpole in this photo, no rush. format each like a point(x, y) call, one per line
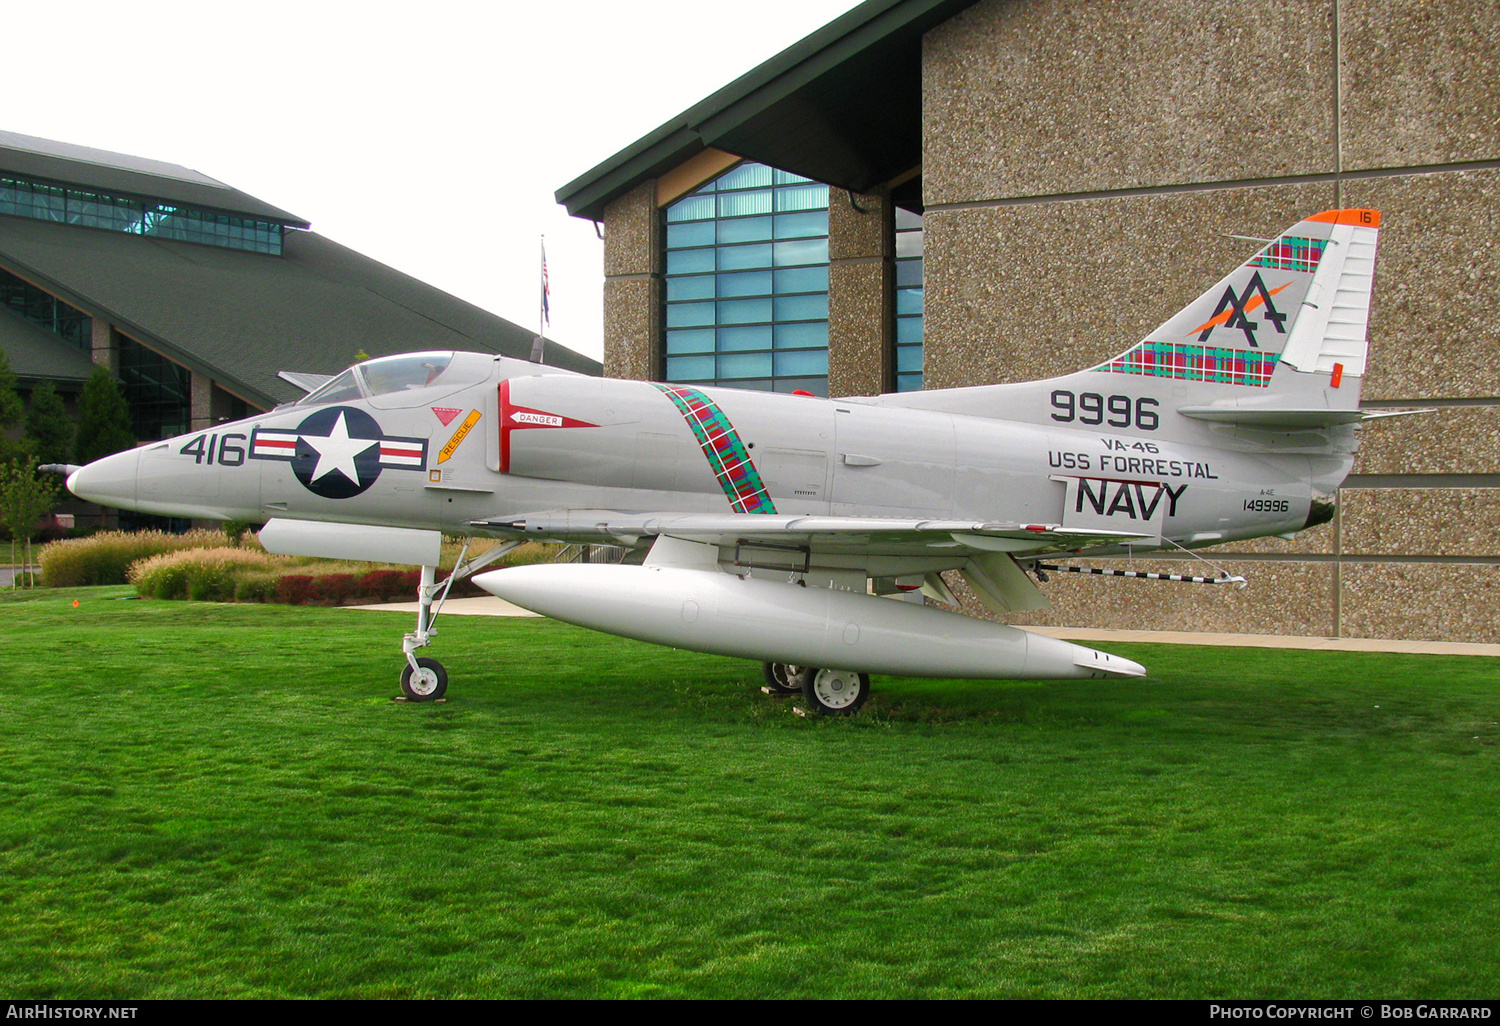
point(539, 356)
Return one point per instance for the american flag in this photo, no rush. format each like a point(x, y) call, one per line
point(546, 288)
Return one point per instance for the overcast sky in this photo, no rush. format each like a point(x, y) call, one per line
point(430, 136)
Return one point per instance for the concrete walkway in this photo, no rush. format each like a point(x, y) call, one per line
point(487, 605)
point(491, 606)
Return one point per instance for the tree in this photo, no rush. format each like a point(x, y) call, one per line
point(48, 426)
point(103, 419)
point(11, 409)
point(23, 499)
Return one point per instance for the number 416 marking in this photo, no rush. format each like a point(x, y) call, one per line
point(201, 448)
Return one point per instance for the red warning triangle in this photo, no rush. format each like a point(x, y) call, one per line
point(446, 414)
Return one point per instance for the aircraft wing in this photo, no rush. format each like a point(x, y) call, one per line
point(886, 535)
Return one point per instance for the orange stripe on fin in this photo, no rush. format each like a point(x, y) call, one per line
point(1354, 215)
point(1250, 307)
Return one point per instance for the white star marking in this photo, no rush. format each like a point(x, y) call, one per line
point(338, 451)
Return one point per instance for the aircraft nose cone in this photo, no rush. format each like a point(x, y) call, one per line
point(110, 481)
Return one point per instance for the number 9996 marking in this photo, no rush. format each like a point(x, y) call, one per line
point(1119, 411)
point(1268, 506)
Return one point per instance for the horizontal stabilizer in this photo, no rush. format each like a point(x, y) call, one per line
point(1287, 417)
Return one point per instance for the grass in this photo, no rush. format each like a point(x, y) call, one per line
point(201, 800)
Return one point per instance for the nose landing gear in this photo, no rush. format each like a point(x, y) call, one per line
point(424, 679)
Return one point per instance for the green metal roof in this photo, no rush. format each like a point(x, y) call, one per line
point(133, 177)
point(242, 317)
point(843, 106)
point(35, 353)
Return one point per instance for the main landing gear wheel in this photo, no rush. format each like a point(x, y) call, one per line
point(426, 683)
point(835, 692)
point(784, 679)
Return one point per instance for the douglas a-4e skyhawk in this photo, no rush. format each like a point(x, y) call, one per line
point(769, 526)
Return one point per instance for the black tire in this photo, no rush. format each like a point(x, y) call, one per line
point(783, 679)
point(835, 692)
point(428, 687)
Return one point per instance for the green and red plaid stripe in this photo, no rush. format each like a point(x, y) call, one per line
point(1195, 363)
point(1292, 253)
point(721, 445)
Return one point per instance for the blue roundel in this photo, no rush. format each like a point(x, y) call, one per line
point(338, 452)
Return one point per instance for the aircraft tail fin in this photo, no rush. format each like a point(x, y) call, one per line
point(1278, 343)
point(1301, 305)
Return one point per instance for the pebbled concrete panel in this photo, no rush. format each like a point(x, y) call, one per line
point(1282, 598)
point(1421, 82)
point(1450, 440)
point(858, 336)
point(632, 326)
point(1421, 601)
point(1062, 96)
point(1433, 330)
point(1421, 521)
point(632, 233)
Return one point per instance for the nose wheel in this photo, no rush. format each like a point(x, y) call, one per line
point(424, 683)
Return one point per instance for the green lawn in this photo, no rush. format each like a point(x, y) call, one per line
point(223, 801)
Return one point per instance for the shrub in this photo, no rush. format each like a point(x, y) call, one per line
point(204, 575)
point(293, 589)
point(255, 587)
point(104, 558)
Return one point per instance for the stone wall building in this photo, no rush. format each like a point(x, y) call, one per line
point(1014, 189)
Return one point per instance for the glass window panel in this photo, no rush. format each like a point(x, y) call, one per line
point(908, 272)
point(700, 287)
point(817, 386)
point(802, 279)
point(692, 340)
point(908, 382)
point(803, 225)
point(737, 204)
point(802, 308)
point(802, 197)
point(739, 258)
point(787, 178)
point(744, 311)
point(689, 315)
point(802, 361)
point(744, 365)
point(690, 261)
point(809, 251)
point(906, 219)
point(692, 208)
point(908, 358)
point(748, 175)
point(690, 233)
point(908, 301)
point(690, 368)
point(908, 244)
point(908, 331)
point(745, 229)
point(745, 283)
point(759, 384)
point(802, 336)
point(746, 337)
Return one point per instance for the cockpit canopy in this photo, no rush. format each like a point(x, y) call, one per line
point(393, 378)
